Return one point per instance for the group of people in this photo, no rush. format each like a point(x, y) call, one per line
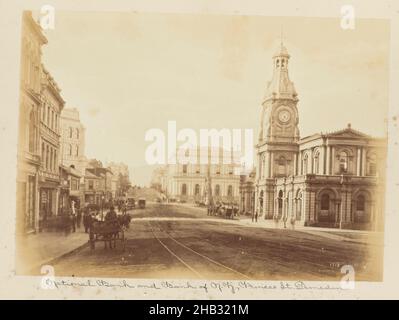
point(219, 209)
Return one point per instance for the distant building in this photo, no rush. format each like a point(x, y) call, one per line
point(70, 188)
point(190, 182)
point(247, 193)
point(104, 186)
point(120, 179)
point(93, 189)
point(327, 179)
point(73, 147)
point(73, 140)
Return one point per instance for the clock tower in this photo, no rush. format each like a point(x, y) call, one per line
point(277, 147)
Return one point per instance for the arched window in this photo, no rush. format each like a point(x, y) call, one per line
point(70, 149)
point(277, 63)
point(70, 132)
point(230, 191)
point(343, 162)
point(184, 168)
point(77, 150)
point(197, 190)
point(316, 162)
point(282, 166)
point(184, 189)
point(77, 133)
point(325, 202)
point(360, 203)
point(305, 164)
point(217, 190)
point(298, 209)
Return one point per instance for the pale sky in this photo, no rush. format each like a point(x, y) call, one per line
point(129, 72)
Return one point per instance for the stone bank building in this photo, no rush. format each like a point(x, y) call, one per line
point(331, 179)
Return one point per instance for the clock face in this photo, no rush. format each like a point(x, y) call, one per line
point(284, 116)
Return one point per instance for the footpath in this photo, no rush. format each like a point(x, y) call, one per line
point(36, 250)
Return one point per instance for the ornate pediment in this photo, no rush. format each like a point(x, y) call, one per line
point(348, 133)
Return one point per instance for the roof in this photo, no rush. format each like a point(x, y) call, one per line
point(71, 171)
point(281, 52)
point(281, 87)
point(98, 171)
point(90, 175)
point(348, 133)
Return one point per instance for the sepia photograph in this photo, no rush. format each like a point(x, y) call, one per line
point(136, 131)
point(199, 152)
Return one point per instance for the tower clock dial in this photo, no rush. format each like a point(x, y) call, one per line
point(284, 116)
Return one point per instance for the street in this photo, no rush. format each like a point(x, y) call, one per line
point(178, 241)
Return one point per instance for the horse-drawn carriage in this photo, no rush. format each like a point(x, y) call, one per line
point(109, 232)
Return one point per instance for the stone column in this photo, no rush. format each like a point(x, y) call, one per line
point(295, 165)
point(312, 161)
point(328, 160)
point(323, 160)
point(270, 167)
point(358, 161)
point(364, 164)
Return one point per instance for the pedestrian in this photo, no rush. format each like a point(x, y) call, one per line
point(79, 218)
point(256, 216)
point(87, 220)
point(111, 215)
point(73, 216)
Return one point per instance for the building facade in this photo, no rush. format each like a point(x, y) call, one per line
point(50, 133)
point(195, 182)
point(247, 194)
point(334, 179)
point(73, 148)
point(29, 155)
point(69, 188)
point(103, 186)
point(120, 180)
point(93, 188)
